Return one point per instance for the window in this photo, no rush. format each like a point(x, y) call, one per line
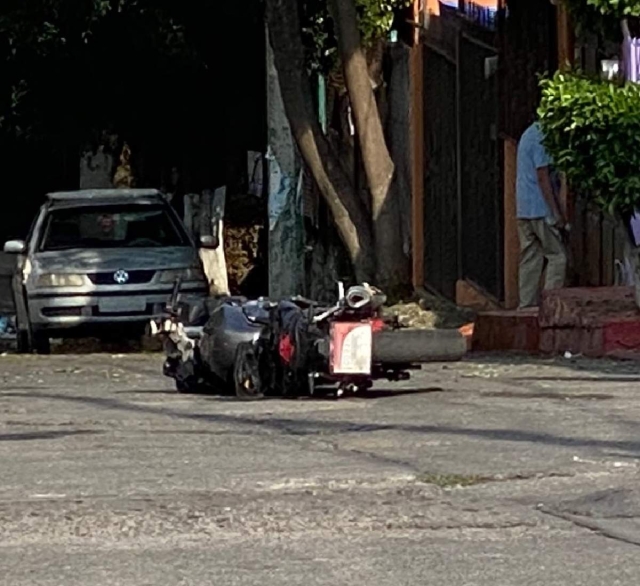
point(111, 226)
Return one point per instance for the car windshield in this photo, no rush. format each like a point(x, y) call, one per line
point(126, 226)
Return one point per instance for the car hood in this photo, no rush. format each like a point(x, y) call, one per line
point(113, 259)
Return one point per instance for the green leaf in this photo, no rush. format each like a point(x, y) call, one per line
point(592, 132)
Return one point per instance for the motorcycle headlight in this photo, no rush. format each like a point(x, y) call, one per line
point(61, 280)
point(192, 274)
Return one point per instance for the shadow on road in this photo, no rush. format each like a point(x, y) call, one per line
point(551, 395)
point(388, 393)
point(372, 394)
point(578, 379)
point(43, 435)
point(146, 392)
point(311, 427)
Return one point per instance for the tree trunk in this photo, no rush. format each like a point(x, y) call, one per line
point(351, 220)
point(392, 264)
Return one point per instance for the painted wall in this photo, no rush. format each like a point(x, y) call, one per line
point(286, 230)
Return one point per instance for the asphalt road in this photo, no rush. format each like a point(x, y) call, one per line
point(491, 472)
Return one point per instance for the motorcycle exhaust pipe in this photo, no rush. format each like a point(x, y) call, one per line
point(361, 296)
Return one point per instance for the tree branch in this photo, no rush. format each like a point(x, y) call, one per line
point(378, 165)
point(351, 220)
point(392, 264)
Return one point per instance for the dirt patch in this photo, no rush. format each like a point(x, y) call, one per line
point(452, 480)
point(429, 313)
point(242, 253)
point(97, 346)
point(245, 245)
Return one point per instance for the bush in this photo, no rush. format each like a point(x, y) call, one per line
point(592, 131)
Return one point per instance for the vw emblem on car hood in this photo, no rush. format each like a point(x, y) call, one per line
point(121, 277)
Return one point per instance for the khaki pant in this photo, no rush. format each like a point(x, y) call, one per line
point(539, 242)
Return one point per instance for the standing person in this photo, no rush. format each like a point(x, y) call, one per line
point(540, 219)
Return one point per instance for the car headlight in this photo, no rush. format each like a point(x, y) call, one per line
point(192, 274)
point(61, 280)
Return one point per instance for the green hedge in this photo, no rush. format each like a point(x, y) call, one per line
point(592, 131)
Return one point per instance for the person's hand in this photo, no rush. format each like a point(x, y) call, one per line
point(557, 219)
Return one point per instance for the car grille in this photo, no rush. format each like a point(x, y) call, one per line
point(135, 278)
point(95, 312)
point(62, 311)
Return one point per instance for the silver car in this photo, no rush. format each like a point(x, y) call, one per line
point(100, 259)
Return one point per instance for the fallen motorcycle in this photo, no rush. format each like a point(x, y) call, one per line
point(291, 347)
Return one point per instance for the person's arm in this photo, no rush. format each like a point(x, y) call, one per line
point(542, 162)
point(544, 180)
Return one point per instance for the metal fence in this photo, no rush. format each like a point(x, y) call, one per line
point(441, 184)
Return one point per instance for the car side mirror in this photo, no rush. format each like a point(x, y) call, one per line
point(14, 247)
point(210, 242)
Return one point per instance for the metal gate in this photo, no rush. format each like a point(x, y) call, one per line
point(441, 185)
point(481, 206)
point(463, 205)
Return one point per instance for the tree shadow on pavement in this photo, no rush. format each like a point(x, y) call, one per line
point(167, 392)
point(578, 379)
point(314, 427)
point(44, 435)
point(383, 393)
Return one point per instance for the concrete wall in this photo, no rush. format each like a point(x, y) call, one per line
point(7, 265)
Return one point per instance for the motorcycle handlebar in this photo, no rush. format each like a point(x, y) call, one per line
point(175, 294)
point(299, 300)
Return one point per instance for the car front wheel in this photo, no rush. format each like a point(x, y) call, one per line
point(23, 342)
point(41, 343)
point(28, 341)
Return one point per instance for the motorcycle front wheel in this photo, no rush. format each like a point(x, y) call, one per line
point(246, 373)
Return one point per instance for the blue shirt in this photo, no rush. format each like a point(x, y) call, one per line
point(531, 156)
